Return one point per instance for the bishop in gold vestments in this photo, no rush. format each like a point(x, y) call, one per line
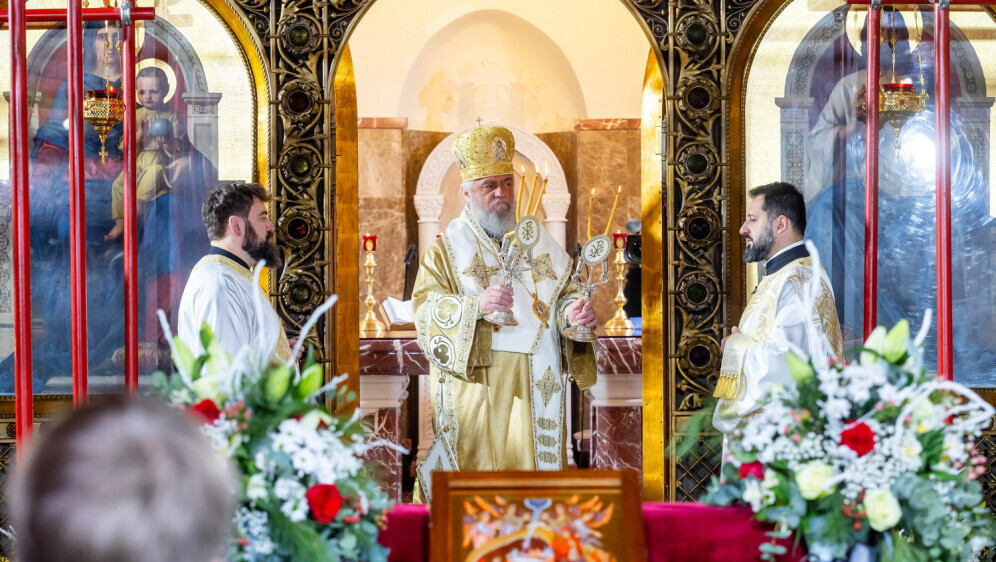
point(791, 308)
point(498, 394)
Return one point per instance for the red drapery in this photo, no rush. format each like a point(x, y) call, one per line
point(673, 532)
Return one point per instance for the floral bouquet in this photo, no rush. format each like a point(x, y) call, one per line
point(304, 493)
point(875, 454)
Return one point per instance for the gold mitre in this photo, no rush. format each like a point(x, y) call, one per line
point(484, 152)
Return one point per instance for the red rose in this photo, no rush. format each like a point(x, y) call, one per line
point(351, 519)
point(752, 468)
point(859, 437)
point(207, 410)
point(324, 501)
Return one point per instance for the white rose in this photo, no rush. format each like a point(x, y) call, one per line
point(811, 479)
point(922, 410)
point(256, 487)
point(883, 509)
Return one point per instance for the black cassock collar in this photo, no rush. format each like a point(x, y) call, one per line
point(788, 256)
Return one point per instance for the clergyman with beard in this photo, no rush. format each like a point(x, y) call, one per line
point(220, 292)
point(776, 317)
point(498, 392)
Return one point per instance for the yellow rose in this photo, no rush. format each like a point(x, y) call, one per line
point(811, 479)
point(883, 509)
point(207, 387)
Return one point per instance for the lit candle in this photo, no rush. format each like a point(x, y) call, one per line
point(369, 242)
point(590, 199)
point(532, 192)
point(539, 199)
point(522, 189)
point(619, 240)
point(608, 227)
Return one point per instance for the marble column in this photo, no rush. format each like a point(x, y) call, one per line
point(616, 406)
point(380, 406)
point(428, 207)
point(202, 122)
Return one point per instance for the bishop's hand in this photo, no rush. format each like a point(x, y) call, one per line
point(496, 298)
point(582, 313)
point(722, 346)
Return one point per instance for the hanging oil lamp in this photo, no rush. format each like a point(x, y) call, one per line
point(898, 102)
point(103, 108)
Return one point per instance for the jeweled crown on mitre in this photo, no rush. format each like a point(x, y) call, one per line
point(483, 152)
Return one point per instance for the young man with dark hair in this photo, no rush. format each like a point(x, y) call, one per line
point(221, 292)
point(776, 317)
point(123, 479)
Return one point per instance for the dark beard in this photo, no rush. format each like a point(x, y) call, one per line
point(262, 248)
point(761, 248)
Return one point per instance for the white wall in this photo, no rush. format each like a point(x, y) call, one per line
point(431, 60)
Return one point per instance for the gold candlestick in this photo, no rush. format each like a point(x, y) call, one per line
point(620, 322)
point(370, 323)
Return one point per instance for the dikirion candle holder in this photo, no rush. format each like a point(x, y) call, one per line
point(514, 246)
point(594, 255)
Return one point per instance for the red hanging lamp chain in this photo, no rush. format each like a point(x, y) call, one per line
point(77, 203)
point(871, 171)
point(942, 102)
point(23, 393)
point(942, 124)
point(130, 215)
point(17, 18)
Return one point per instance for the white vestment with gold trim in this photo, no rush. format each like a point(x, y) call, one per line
point(776, 316)
point(498, 395)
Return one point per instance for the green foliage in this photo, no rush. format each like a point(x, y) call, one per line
point(254, 403)
point(695, 431)
point(298, 542)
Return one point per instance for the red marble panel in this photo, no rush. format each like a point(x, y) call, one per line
point(392, 357)
point(387, 461)
point(619, 355)
point(403, 356)
point(617, 437)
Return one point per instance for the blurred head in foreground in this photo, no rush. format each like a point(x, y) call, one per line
point(122, 480)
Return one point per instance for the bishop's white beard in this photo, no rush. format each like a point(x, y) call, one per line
point(496, 225)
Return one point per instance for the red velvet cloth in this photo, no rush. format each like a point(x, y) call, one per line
point(407, 533)
point(691, 531)
point(685, 532)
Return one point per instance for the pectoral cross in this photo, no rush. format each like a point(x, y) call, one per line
point(481, 271)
